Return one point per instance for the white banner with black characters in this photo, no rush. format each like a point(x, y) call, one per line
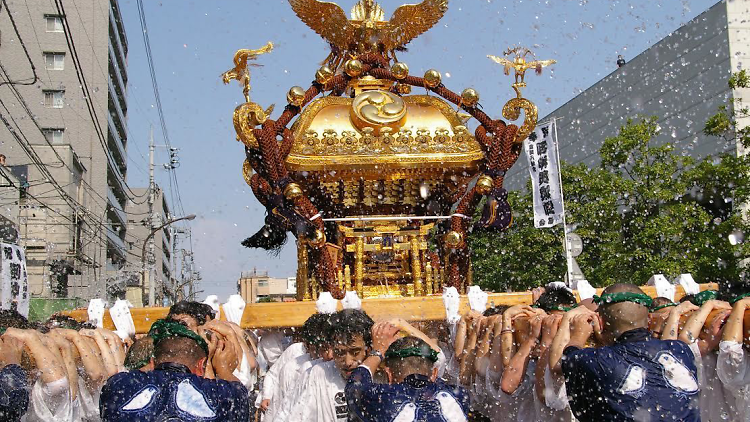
point(545, 176)
point(15, 280)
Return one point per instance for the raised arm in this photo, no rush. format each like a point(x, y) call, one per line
point(671, 327)
point(411, 330)
point(733, 330)
point(514, 373)
point(51, 369)
point(691, 332)
point(550, 324)
point(108, 359)
point(509, 348)
point(575, 329)
point(92, 365)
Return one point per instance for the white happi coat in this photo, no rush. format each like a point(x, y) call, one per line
point(322, 398)
point(733, 369)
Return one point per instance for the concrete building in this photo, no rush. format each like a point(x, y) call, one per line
point(63, 105)
point(139, 228)
point(682, 79)
point(256, 286)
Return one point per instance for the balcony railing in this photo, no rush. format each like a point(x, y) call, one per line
point(117, 208)
point(114, 239)
point(119, 149)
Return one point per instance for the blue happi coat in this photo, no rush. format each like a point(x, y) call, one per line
point(415, 399)
point(638, 378)
point(172, 393)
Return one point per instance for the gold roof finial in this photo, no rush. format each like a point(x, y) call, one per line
point(241, 71)
point(367, 30)
point(520, 64)
point(367, 10)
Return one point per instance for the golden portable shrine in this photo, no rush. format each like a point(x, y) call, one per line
point(369, 174)
point(364, 172)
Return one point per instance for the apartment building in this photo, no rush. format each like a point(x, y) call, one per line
point(63, 105)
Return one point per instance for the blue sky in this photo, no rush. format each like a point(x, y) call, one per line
point(193, 42)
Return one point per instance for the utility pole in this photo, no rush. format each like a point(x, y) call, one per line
point(151, 217)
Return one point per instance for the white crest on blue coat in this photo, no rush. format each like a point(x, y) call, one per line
point(634, 381)
point(142, 399)
point(408, 413)
point(192, 401)
point(677, 374)
point(450, 408)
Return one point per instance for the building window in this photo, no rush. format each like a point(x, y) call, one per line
point(54, 99)
point(54, 23)
point(54, 61)
point(54, 136)
point(262, 283)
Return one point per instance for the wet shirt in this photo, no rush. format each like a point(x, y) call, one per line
point(414, 399)
point(322, 398)
point(14, 396)
point(639, 378)
point(172, 393)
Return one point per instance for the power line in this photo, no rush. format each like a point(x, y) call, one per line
point(88, 97)
point(25, 106)
point(160, 110)
point(28, 56)
point(147, 44)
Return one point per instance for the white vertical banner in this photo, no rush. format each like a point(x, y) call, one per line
point(544, 169)
point(15, 281)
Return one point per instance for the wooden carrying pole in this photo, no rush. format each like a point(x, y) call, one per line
point(294, 314)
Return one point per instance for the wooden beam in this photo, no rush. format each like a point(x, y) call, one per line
point(294, 314)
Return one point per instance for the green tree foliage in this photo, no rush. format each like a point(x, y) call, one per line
point(645, 209)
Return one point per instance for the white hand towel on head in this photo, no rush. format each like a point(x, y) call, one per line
point(213, 302)
point(477, 299)
point(96, 312)
point(452, 302)
point(585, 290)
point(558, 284)
point(326, 304)
point(663, 287)
point(687, 283)
point(351, 301)
point(120, 313)
point(234, 308)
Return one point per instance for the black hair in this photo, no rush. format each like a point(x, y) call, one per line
point(659, 301)
point(555, 296)
point(200, 311)
point(10, 318)
point(500, 309)
point(346, 324)
point(687, 298)
point(140, 353)
point(315, 330)
point(728, 291)
point(63, 321)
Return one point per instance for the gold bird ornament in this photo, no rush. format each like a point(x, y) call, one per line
point(367, 30)
point(520, 65)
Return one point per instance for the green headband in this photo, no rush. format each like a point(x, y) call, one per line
point(666, 305)
point(3, 330)
point(432, 355)
point(610, 298)
point(700, 298)
point(162, 329)
point(738, 298)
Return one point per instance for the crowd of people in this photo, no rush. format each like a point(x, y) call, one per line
point(620, 357)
